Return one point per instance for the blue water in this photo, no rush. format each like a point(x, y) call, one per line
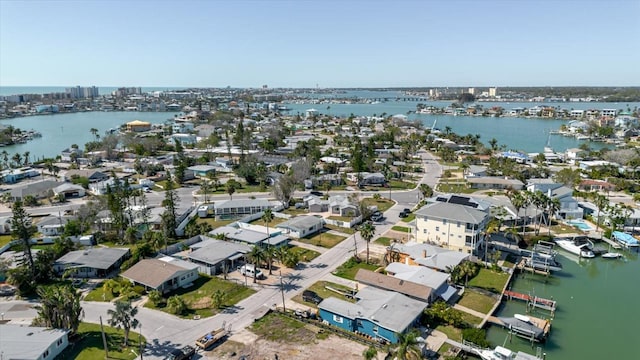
point(580, 225)
point(102, 90)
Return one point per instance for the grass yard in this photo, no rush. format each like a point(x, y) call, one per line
point(275, 221)
point(401, 185)
point(294, 211)
point(340, 229)
point(382, 204)
point(4, 239)
point(349, 269)
point(455, 188)
point(452, 333)
point(323, 239)
point(98, 293)
point(469, 319)
point(90, 347)
point(320, 289)
point(409, 218)
point(215, 223)
point(305, 254)
point(400, 229)
point(383, 240)
point(565, 229)
point(490, 280)
point(198, 296)
point(477, 301)
point(281, 328)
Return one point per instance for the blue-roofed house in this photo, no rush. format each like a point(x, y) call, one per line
point(378, 313)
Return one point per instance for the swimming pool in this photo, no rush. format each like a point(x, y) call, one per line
point(580, 225)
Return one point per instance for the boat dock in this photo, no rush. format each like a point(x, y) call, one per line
point(472, 348)
point(533, 301)
point(523, 265)
point(528, 327)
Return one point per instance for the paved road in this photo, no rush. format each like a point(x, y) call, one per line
point(164, 331)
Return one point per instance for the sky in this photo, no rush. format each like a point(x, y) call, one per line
point(320, 43)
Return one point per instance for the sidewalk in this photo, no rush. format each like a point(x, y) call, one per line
point(319, 249)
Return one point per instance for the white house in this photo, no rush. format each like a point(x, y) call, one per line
point(301, 226)
point(31, 342)
point(164, 274)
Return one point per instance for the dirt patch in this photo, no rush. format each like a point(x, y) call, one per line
point(254, 347)
point(202, 303)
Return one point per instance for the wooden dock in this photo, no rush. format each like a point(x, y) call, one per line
point(533, 301)
point(542, 324)
point(522, 266)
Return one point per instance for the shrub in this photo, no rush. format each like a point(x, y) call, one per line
point(476, 336)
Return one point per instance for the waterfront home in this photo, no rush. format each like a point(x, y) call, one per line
point(577, 126)
point(378, 313)
point(301, 226)
point(184, 139)
point(31, 342)
point(452, 226)
point(494, 182)
point(431, 256)
point(91, 263)
point(625, 122)
point(596, 185)
point(164, 274)
point(569, 207)
point(597, 164)
point(386, 282)
point(94, 176)
point(138, 126)
point(12, 176)
point(514, 155)
point(436, 280)
point(71, 154)
point(574, 154)
point(470, 201)
point(182, 127)
point(215, 256)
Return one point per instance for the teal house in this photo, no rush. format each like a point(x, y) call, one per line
point(378, 313)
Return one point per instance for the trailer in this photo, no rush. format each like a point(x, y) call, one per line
point(210, 338)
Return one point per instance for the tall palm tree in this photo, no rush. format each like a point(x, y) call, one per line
point(553, 206)
point(124, 316)
point(492, 227)
point(367, 231)
point(25, 158)
point(256, 256)
point(270, 254)
point(601, 202)
point(267, 217)
point(408, 346)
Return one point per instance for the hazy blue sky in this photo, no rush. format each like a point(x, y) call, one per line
point(332, 43)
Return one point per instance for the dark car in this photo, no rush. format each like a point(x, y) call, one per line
point(403, 214)
point(312, 297)
point(316, 193)
point(185, 353)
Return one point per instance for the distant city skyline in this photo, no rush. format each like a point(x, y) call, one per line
point(329, 43)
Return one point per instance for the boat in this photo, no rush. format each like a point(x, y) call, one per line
point(582, 137)
point(211, 338)
point(576, 248)
point(611, 255)
point(499, 353)
point(544, 264)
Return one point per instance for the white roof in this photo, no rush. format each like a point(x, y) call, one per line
point(27, 342)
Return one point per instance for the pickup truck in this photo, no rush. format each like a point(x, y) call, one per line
point(185, 353)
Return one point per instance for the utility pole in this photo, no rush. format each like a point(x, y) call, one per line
point(284, 309)
point(104, 340)
point(140, 340)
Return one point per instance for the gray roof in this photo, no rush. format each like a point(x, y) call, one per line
point(388, 309)
point(27, 342)
point(494, 180)
point(436, 257)
point(212, 251)
point(55, 220)
point(232, 204)
point(33, 188)
point(418, 274)
point(243, 235)
point(202, 168)
point(277, 240)
point(97, 258)
point(67, 187)
point(452, 212)
point(301, 223)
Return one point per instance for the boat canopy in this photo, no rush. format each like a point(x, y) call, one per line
point(625, 238)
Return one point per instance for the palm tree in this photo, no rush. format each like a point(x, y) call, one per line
point(407, 347)
point(601, 202)
point(256, 256)
point(25, 158)
point(267, 217)
point(426, 190)
point(492, 227)
point(370, 353)
point(205, 186)
point(217, 298)
point(124, 316)
point(553, 206)
point(231, 188)
point(176, 305)
point(94, 132)
point(59, 307)
point(270, 254)
point(367, 231)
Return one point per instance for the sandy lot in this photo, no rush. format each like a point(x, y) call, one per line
point(254, 347)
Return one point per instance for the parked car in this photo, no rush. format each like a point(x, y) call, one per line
point(377, 216)
point(403, 214)
point(249, 270)
point(316, 193)
point(185, 353)
point(312, 297)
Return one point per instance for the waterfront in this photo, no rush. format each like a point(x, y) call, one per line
point(597, 311)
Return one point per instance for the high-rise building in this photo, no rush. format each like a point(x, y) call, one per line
point(493, 92)
point(80, 92)
point(472, 91)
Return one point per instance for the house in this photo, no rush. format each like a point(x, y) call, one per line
point(202, 171)
point(12, 176)
point(91, 263)
point(52, 225)
point(574, 154)
point(453, 226)
point(138, 126)
point(184, 139)
point(215, 256)
point(250, 237)
point(378, 313)
point(164, 274)
point(436, 280)
point(569, 207)
point(5, 225)
point(341, 205)
point(69, 190)
point(302, 226)
point(373, 179)
point(38, 190)
point(31, 342)
point(596, 185)
point(71, 154)
point(431, 256)
point(385, 282)
point(235, 208)
point(224, 163)
point(494, 182)
point(94, 176)
point(182, 127)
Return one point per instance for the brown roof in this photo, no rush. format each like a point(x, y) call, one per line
point(411, 289)
point(152, 272)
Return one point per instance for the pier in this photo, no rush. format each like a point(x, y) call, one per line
point(527, 327)
point(472, 348)
point(532, 301)
point(523, 265)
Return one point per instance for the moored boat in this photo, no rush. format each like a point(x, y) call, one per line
point(576, 248)
point(611, 255)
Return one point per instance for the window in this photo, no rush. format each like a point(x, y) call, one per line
point(437, 228)
point(424, 231)
point(444, 221)
point(375, 329)
point(45, 354)
point(337, 319)
point(359, 323)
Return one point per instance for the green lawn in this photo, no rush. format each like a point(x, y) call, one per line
point(452, 333)
point(215, 223)
point(320, 289)
point(409, 218)
point(4, 239)
point(323, 239)
point(400, 229)
point(281, 328)
point(340, 229)
point(349, 269)
point(469, 319)
point(461, 188)
point(97, 294)
point(383, 240)
point(198, 296)
point(272, 223)
point(294, 211)
point(382, 204)
point(477, 301)
point(401, 185)
point(90, 345)
point(305, 254)
point(490, 280)
point(341, 218)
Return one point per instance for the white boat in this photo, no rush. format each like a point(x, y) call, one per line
point(582, 250)
point(611, 255)
point(499, 353)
